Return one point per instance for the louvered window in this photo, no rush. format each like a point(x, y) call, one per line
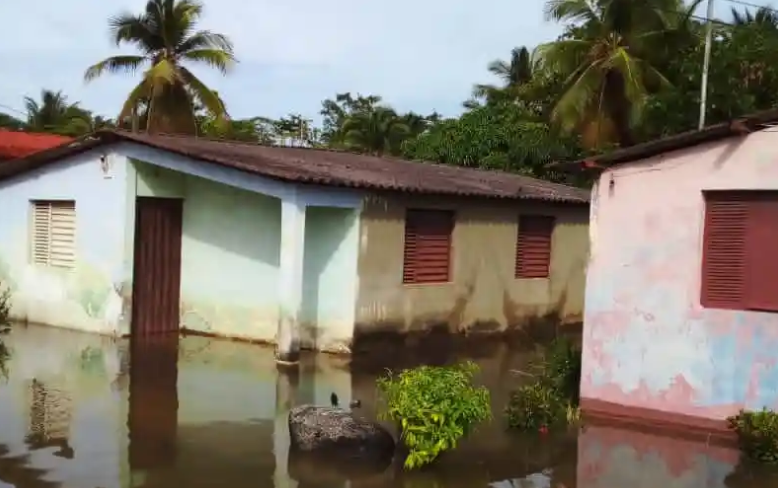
point(54, 233)
point(739, 241)
point(427, 256)
point(533, 246)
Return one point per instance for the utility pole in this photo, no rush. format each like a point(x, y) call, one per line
point(706, 64)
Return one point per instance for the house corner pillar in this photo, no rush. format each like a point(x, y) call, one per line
point(290, 280)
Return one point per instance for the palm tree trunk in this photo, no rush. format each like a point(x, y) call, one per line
point(134, 121)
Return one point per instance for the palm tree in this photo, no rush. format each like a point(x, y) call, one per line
point(514, 74)
point(764, 17)
point(375, 131)
point(166, 37)
point(52, 113)
point(607, 65)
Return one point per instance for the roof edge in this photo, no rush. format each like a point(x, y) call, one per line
point(738, 126)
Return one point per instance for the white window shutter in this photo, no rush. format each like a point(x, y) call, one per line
point(54, 233)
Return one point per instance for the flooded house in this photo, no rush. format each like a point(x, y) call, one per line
point(681, 298)
point(135, 234)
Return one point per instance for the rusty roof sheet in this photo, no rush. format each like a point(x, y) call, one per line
point(738, 126)
point(332, 168)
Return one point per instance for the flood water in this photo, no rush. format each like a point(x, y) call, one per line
point(76, 411)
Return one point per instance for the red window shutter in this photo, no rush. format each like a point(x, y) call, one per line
point(533, 246)
point(724, 250)
point(427, 253)
point(761, 270)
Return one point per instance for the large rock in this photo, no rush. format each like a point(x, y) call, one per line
point(333, 430)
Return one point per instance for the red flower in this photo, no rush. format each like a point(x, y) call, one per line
point(543, 429)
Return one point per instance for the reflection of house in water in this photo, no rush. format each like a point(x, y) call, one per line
point(50, 414)
point(153, 417)
point(215, 437)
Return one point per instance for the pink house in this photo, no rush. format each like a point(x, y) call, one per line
point(681, 322)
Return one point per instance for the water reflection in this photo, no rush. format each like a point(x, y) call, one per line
point(85, 411)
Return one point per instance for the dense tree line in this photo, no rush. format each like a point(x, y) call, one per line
point(622, 72)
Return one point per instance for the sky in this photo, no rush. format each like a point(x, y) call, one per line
point(418, 55)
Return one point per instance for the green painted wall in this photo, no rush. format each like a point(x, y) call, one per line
point(329, 277)
point(230, 254)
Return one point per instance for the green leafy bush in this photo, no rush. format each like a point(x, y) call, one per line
point(434, 406)
point(5, 305)
point(553, 397)
point(757, 434)
point(5, 309)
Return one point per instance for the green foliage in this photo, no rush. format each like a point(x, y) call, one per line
point(5, 309)
point(552, 398)
point(500, 136)
point(434, 406)
point(757, 434)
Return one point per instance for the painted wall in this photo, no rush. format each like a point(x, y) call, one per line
point(230, 252)
point(329, 278)
point(647, 340)
point(89, 297)
point(231, 249)
point(484, 295)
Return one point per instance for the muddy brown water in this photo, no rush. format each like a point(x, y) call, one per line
point(79, 410)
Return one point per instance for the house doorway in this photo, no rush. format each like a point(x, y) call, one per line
point(157, 266)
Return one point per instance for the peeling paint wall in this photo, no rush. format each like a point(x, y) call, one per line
point(88, 297)
point(484, 295)
point(647, 340)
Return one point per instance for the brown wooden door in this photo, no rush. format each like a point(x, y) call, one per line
point(157, 273)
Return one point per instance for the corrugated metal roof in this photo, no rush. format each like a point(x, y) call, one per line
point(330, 168)
point(736, 127)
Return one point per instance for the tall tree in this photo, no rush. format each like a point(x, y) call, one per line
point(607, 63)
point(496, 136)
point(336, 111)
point(166, 36)
point(375, 131)
point(514, 74)
point(52, 113)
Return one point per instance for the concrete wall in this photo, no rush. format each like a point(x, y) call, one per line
point(647, 340)
point(231, 248)
point(329, 277)
point(88, 297)
point(484, 295)
point(229, 253)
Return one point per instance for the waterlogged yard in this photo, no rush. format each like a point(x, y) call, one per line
point(80, 410)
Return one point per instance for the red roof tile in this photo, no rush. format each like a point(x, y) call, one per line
point(15, 144)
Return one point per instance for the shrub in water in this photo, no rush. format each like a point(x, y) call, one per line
point(434, 406)
point(5, 306)
point(757, 434)
point(5, 309)
point(553, 396)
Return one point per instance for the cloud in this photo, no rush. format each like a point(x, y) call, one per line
point(420, 55)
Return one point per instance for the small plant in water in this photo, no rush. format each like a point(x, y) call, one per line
point(5, 310)
point(757, 434)
point(5, 305)
point(552, 398)
point(434, 407)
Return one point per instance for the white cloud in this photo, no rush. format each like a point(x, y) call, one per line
point(417, 55)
